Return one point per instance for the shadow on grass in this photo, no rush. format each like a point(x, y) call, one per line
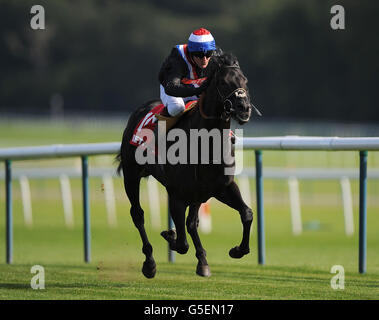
point(14, 286)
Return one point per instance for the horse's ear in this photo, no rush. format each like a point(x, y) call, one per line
point(228, 59)
point(234, 61)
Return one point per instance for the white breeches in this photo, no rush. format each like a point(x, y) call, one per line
point(175, 105)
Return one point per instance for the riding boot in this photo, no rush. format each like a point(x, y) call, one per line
point(167, 118)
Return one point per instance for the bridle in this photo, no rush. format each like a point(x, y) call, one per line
point(226, 102)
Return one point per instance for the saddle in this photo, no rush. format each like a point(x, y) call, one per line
point(150, 121)
point(171, 121)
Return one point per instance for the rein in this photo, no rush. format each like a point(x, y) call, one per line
point(202, 113)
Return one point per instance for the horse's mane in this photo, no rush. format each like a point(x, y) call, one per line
point(226, 60)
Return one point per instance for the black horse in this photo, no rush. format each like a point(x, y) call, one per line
point(189, 185)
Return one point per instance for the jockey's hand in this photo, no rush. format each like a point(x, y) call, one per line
point(204, 85)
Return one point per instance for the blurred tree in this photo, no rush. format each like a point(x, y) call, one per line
point(105, 55)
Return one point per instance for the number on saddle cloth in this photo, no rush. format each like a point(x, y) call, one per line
point(149, 121)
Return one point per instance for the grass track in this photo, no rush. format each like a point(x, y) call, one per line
point(296, 267)
point(123, 281)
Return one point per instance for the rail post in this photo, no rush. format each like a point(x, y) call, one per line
point(362, 211)
point(86, 214)
point(260, 212)
point(9, 214)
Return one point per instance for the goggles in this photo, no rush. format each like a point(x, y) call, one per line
point(200, 54)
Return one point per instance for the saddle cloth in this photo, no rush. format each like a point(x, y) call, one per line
point(150, 121)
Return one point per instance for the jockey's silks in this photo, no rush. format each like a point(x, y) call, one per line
point(192, 77)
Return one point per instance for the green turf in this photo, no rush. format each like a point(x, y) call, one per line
point(297, 267)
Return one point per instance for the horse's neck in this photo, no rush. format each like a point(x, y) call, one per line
point(213, 118)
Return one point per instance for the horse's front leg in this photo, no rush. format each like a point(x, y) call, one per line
point(177, 240)
point(231, 196)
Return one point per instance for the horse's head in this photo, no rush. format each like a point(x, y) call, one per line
point(232, 92)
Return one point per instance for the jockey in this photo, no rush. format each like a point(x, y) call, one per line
point(183, 74)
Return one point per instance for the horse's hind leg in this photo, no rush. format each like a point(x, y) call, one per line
point(232, 197)
point(192, 223)
point(132, 185)
point(178, 240)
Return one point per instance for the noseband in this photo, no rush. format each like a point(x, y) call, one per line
point(227, 103)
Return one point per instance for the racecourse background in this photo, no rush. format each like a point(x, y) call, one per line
point(104, 56)
point(296, 266)
point(96, 61)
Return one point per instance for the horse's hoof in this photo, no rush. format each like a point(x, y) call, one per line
point(237, 252)
point(169, 235)
point(183, 249)
point(203, 270)
point(149, 269)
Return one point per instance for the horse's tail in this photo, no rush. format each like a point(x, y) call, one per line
point(118, 159)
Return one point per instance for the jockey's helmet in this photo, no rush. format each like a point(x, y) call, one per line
point(201, 40)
